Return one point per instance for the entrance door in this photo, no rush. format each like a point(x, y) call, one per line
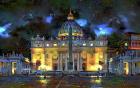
point(13, 68)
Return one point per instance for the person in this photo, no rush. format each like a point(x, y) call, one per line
point(98, 72)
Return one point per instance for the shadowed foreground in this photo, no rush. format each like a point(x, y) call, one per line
point(69, 82)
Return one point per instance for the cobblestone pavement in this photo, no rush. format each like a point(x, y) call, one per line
point(121, 82)
point(69, 82)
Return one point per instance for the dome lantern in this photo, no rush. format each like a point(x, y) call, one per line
point(70, 16)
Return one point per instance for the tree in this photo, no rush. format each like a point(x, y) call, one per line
point(115, 40)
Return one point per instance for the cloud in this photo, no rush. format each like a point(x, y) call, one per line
point(49, 19)
point(103, 29)
point(126, 23)
point(4, 30)
point(81, 22)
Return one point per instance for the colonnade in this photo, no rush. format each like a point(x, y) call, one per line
point(62, 62)
point(6, 68)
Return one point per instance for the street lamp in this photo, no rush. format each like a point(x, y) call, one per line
point(131, 56)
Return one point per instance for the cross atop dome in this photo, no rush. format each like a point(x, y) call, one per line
point(70, 16)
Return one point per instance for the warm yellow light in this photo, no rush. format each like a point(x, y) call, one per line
point(101, 56)
point(126, 68)
point(37, 50)
point(13, 67)
point(27, 60)
point(49, 68)
point(96, 67)
point(111, 59)
point(126, 44)
point(42, 67)
point(55, 44)
point(96, 81)
point(43, 81)
point(63, 44)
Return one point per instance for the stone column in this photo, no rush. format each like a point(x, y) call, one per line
point(61, 62)
point(133, 68)
point(63, 66)
point(6, 68)
point(66, 66)
point(73, 62)
point(3, 68)
point(58, 62)
point(9, 68)
point(120, 67)
point(130, 68)
point(81, 62)
point(78, 62)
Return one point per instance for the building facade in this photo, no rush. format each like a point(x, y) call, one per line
point(13, 64)
point(70, 51)
point(128, 62)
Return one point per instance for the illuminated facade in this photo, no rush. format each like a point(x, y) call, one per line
point(12, 64)
point(54, 55)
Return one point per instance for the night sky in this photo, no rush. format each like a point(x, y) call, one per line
point(22, 19)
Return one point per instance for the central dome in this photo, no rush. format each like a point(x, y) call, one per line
point(70, 24)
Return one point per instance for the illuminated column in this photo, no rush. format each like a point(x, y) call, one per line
point(63, 66)
point(7, 68)
point(97, 55)
point(105, 59)
point(73, 62)
point(66, 66)
point(33, 59)
point(43, 58)
point(3, 70)
point(78, 62)
point(87, 61)
point(2, 67)
point(133, 68)
point(61, 61)
point(58, 63)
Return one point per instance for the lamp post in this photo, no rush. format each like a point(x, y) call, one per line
point(131, 56)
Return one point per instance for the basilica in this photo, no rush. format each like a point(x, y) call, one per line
point(70, 51)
